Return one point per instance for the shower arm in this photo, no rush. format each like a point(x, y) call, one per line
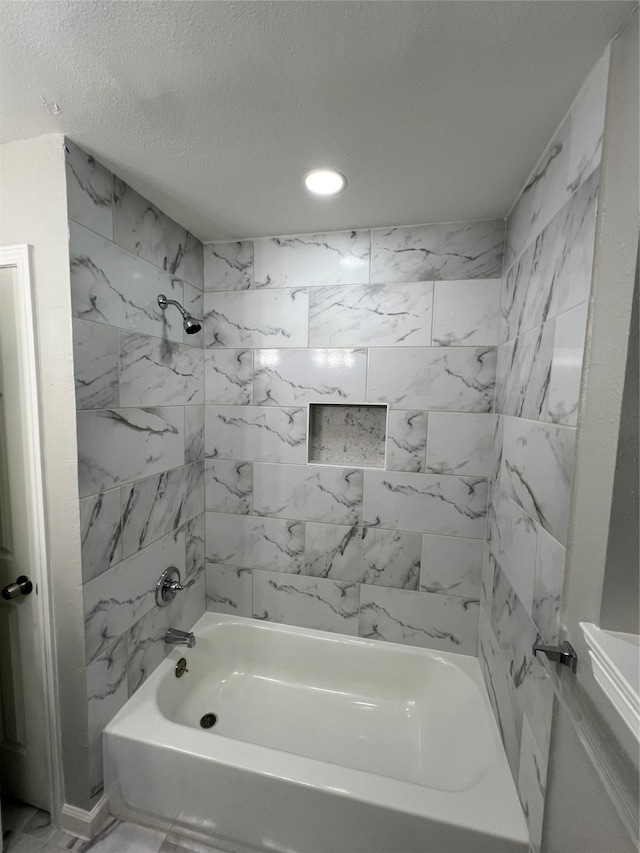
point(163, 302)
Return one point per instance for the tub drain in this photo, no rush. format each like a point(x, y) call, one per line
point(208, 720)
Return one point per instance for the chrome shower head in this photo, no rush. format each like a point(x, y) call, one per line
point(190, 324)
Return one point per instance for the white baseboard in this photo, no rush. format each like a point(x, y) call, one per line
point(82, 823)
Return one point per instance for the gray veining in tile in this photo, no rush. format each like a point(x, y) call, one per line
point(110, 285)
point(466, 313)
point(121, 445)
point(363, 555)
point(228, 376)
point(251, 542)
point(89, 191)
point(325, 605)
point(453, 250)
point(407, 441)
point(442, 622)
point(271, 318)
point(101, 533)
point(256, 433)
point(294, 377)
point(158, 504)
point(372, 315)
point(451, 565)
point(228, 486)
point(458, 379)
point(319, 493)
point(425, 503)
point(159, 372)
point(312, 259)
point(145, 230)
point(228, 266)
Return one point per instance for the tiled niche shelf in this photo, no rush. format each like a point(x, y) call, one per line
point(347, 434)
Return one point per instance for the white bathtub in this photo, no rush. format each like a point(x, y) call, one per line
point(323, 744)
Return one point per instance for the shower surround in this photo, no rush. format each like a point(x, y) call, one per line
point(546, 285)
point(139, 396)
point(406, 317)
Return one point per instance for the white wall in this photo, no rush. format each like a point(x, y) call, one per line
point(33, 209)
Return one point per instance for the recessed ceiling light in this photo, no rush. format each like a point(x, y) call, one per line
point(324, 181)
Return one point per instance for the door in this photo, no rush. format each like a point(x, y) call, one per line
point(24, 723)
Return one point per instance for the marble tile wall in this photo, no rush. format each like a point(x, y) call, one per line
point(407, 317)
point(140, 396)
point(544, 297)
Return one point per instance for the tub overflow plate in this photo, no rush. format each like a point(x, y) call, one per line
point(208, 720)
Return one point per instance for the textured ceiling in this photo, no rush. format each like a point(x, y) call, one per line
point(434, 110)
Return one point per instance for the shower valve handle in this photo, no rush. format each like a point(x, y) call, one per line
point(169, 585)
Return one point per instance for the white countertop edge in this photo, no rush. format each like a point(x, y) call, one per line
point(615, 659)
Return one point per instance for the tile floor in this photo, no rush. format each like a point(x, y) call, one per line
point(29, 830)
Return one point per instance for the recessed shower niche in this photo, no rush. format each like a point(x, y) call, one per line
point(347, 434)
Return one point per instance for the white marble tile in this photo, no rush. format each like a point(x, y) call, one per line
point(516, 635)
point(407, 441)
point(442, 622)
point(228, 376)
point(317, 493)
point(95, 365)
point(548, 582)
point(324, 605)
point(145, 230)
point(340, 257)
point(255, 434)
point(496, 447)
point(228, 266)
point(193, 302)
point(523, 373)
point(272, 318)
point(587, 125)
point(193, 434)
point(467, 313)
point(372, 315)
point(89, 191)
point(121, 445)
point(250, 542)
point(459, 443)
point(110, 285)
point(542, 196)
point(453, 250)
point(532, 783)
point(194, 544)
point(566, 365)
point(293, 377)
point(502, 693)
point(145, 639)
point(451, 565)
point(159, 372)
point(106, 687)
point(512, 539)
point(425, 503)
point(228, 486)
point(117, 598)
point(347, 434)
point(536, 469)
point(362, 555)
point(447, 378)
point(486, 586)
point(101, 533)
point(229, 590)
point(158, 504)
